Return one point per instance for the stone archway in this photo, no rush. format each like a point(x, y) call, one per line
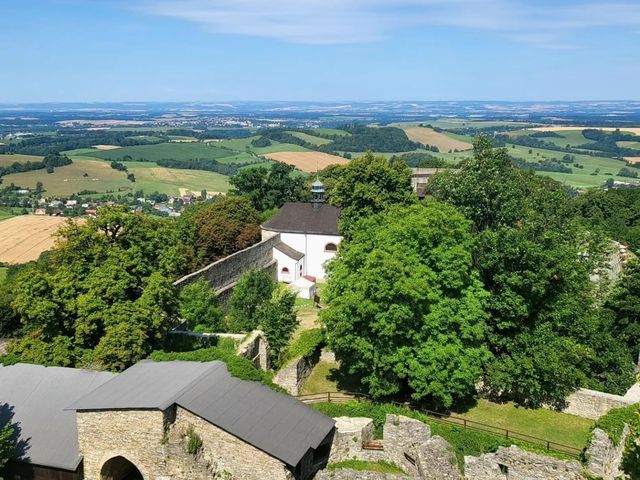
point(119, 468)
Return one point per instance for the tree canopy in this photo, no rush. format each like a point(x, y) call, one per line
point(406, 309)
point(369, 185)
point(269, 188)
point(104, 296)
point(534, 258)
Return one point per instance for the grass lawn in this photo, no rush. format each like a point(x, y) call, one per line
point(321, 379)
point(360, 465)
point(542, 423)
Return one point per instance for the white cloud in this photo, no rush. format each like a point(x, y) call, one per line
point(361, 21)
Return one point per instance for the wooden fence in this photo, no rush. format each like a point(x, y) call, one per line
point(548, 445)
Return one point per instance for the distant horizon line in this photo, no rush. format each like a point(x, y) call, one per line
point(223, 102)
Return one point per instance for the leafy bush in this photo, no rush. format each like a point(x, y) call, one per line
point(307, 343)
point(237, 366)
point(194, 442)
point(613, 422)
point(200, 307)
point(253, 289)
point(176, 342)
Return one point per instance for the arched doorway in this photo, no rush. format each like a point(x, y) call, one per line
point(119, 468)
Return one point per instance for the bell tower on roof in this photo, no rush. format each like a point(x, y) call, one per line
point(317, 194)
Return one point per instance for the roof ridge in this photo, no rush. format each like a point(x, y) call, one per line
point(214, 365)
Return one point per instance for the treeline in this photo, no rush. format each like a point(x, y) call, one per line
point(47, 144)
point(607, 142)
point(546, 165)
point(209, 165)
point(421, 160)
point(361, 139)
point(49, 163)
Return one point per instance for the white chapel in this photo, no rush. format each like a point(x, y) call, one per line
point(309, 237)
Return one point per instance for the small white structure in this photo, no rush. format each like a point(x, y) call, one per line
point(305, 287)
point(309, 236)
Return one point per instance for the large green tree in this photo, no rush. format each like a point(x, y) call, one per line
point(406, 308)
point(269, 188)
point(278, 320)
point(253, 289)
point(7, 444)
point(369, 185)
point(219, 228)
point(105, 293)
point(545, 333)
point(200, 307)
point(624, 306)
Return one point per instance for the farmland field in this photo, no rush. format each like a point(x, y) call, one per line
point(6, 160)
point(64, 181)
point(159, 151)
point(150, 178)
point(311, 138)
point(308, 161)
point(556, 128)
point(24, 238)
point(429, 136)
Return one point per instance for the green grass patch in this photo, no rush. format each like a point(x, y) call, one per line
point(464, 441)
point(613, 422)
point(3, 274)
point(540, 422)
point(8, 212)
point(331, 131)
point(151, 178)
point(305, 345)
point(310, 138)
point(380, 466)
point(159, 151)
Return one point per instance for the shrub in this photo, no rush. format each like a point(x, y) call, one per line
point(306, 345)
point(194, 442)
point(200, 307)
point(237, 366)
point(253, 289)
point(613, 422)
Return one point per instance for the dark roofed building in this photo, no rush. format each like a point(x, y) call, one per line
point(138, 424)
point(309, 236)
point(33, 398)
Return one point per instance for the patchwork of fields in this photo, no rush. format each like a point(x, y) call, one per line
point(428, 136)
point(6, 160)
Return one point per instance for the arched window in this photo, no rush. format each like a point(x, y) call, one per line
point(285, 271)
point(331, 248)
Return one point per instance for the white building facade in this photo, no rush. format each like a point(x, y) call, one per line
point(309, 237)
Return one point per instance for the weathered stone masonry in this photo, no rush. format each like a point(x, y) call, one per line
point(155, 442)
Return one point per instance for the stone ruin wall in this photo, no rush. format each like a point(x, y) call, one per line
point(408, 444)
point(155, 442)
point(593, 404)
point(293, 375)
point(224, 274)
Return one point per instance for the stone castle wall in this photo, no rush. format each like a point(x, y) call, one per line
point(223, 274)
point(292, 376)
point(603, 457)
point(593, 404)
point(514, 464)
point(226, 454)
point(155, 442)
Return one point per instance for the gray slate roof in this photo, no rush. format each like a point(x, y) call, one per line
point(275, 423)
point(38, 396)
point(303, 218)
point(288, 251)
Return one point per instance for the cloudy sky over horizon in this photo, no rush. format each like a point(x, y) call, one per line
point(165, 50)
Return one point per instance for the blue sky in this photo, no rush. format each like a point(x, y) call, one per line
point(318, 50)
